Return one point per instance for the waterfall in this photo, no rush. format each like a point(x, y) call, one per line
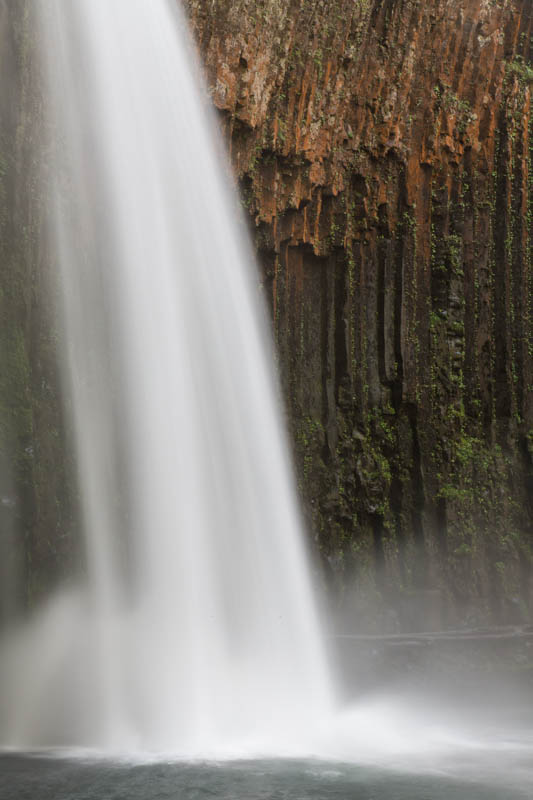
point(193, 628)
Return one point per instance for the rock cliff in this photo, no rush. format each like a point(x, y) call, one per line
point(383, 149)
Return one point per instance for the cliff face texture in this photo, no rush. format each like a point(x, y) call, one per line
point(383, 148)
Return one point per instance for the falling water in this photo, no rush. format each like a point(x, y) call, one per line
point(194, 628)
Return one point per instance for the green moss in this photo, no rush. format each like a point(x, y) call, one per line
point(520, 69)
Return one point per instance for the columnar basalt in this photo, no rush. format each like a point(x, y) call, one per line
point(383, 149)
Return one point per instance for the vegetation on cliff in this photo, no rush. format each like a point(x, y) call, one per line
point(384, 153)
point(383, 149)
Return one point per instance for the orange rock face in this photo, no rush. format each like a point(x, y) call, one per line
point(383, 149)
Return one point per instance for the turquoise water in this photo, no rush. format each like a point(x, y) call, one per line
point(38, 777)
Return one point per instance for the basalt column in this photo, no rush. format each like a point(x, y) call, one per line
point(383, 149)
